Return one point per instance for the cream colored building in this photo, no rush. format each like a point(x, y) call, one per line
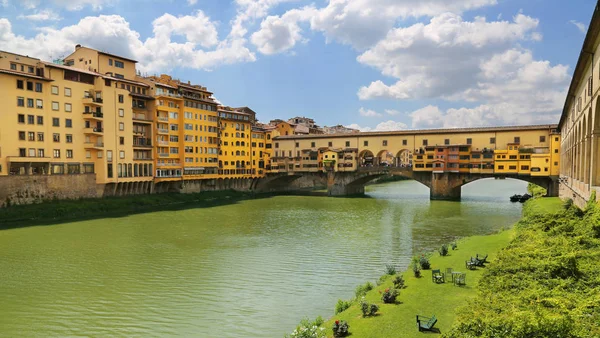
point(580, 122)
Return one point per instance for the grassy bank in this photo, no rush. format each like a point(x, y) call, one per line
point(422, 296)
point(542, 281)
point(545, 283)
point(51, 212)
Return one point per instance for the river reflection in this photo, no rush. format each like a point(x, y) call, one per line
point(251, 269)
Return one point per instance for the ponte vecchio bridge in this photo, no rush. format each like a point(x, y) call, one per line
point(442, 159)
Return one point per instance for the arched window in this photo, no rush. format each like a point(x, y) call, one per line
point(130, 171)
point(243, 144)
point(243, 153)
point(237, 164)
point(237, 134)
point(243, 135)
point(135, 170)
point(237, 143)
point(237, 153)
point(220, 164)
point(150, 169)
point(120, 172)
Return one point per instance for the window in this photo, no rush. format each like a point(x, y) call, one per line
point(69, 138)
point(122, 154)
point(312, 144)
point(30, 119)
point(121, 112)
point(20, 101)
point(500, 167)
point(119, 64)
point(122, 140)
point(524, 167)
point(492, 140)
point(20, 84)
point(69, 153)
point(40, 137)
point(121, 98)
point(54, 105)
point(542, 139)
point(517, 139)
point(556, 139)
point(424, 142)
point(31, 136)
point(40, 120)
point(68, 107)
point(13, 66)
point(556, 151)
point(366, 143)
point(56, 153)
point(54, 90)
point(119, 76)
point(38, 87)
point(109, 169)
point(56, 137)
point(447, 141)
point(40, 153)
point(68, 123)
point(39, 104)
point(29, 103)
point(68, 92)
point(110, 62)
point(21, 118)
point(121, 126)
point(55, 122)
point(347, 143)
point(469, 141)
point(30, 69)
point(22, 136)
point(404, 142)
point(29, 85)
point(385, 143)
point(88, 154)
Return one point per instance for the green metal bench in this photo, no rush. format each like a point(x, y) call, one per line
point(437, 276)
point(426, 323)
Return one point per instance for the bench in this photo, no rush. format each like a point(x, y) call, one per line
point(426, 323)
point(437, 276)
point(482, 260)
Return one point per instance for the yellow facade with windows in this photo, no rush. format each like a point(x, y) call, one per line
point(235, 155)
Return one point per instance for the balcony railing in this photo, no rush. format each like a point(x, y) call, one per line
point(163, 143)
point(94, 130)
point(142, 142)
point(163, 154)
point(141, 117)
point(163, 118)
point(92, 100)
point(94, 144)
point(93, 114)
point(163, 131)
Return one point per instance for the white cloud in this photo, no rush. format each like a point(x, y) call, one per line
point(368, 112)
point(579, 25)
point(113, 33)
point(278, 34)
point(248, 11)
point(192, 2)
point(441, 57)
point(70, 5)
point(392, 112)
point(383, 126)
point(43, 15)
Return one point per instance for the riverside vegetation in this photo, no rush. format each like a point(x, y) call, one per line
point(543, 281)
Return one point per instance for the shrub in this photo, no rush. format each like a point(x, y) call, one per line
point(424, 262)
point(390, 269)
point(567, 204)
point(398, 282)
point(389, 296)
point(444, 250)
point(340, 328)
point(454, 246)
point(416, 267)
point(362, 290)
point(308, 329)
point(368, 309)
point(341, 306)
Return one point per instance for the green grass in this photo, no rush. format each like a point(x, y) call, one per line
point(422, 296)
point(543, 205)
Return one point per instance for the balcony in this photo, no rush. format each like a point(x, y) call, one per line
point(139, 106)
point(94, 145)
point(88, 115)
point(140, 142)
point(163, 131)
point(163, 118)
point(163, 143)
point(141, 117)
point(142, 158)
point(163, 154)
point(93, 101)
point(166, 94)
point(93, 131)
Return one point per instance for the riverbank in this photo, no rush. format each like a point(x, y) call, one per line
point(472, 310)
point(57, 211)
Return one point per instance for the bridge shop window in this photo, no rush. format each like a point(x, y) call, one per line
point(469, 141)
point(500, 167)
point(492, 140)
point(347, 143)
point(517, 139)
point(404, 142)
point(366, 143)
point(312, 144)
point(524, 167)
point(447, 141)
point(424, 142)
point(384, 143)
point(542, 139)
point(512, 167)
point(330, 144)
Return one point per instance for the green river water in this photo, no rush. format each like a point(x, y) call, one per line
point(249, 269)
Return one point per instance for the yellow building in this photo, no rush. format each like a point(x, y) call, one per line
point(235, 154)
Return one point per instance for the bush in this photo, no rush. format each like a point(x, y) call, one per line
point(416, 267)
point(424, 262)
point(454, 246)
point(340, 328)
point(308, 329)
point(341, 306)
point(368, 309)
point(389, 296)
point(398, 282)
point(362, 290)
point(390, 269)
point(443, 250)
point(567, 204)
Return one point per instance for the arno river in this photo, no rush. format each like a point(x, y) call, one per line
point(251, 269)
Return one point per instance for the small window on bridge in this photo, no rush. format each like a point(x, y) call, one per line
point(347, 143)
point(524, 167)
point(500, 167)
point(312, 144)
point(517, 139)
point(385, 143)
point(297, 145)
point(469, 141)
point(512, 167)
point(492, 140)
point(330, 144)
point(447, 141)
point(366, 143)
point(405, 142)
point(424, 142)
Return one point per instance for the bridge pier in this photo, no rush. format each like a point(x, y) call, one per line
point(445, 187)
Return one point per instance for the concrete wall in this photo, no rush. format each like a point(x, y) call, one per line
point(35, 189)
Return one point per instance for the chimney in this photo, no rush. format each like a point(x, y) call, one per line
point(77, 46)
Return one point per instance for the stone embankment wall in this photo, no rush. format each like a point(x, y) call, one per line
point(35, 189)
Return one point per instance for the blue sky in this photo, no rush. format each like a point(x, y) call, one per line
point(372, 64)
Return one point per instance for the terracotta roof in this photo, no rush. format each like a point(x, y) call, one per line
point(12, 72)
point(74, 69)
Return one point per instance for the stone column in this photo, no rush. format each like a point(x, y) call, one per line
point(446, 187)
